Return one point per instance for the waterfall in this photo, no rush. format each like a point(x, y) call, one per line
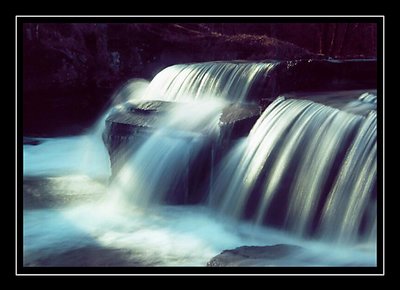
point(305, 167)
point(305, 174)
point(231, 81)
point(354, 191)
point(159, 163)
point(156, 170)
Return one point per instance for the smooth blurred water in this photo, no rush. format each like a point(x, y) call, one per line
point(165, 236)
point(147, 233)
point(306, 168)
point(154, 234)
point(219, 80)
point(160, 162)
point(67, 155)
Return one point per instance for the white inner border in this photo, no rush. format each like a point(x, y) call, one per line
point(198, 16)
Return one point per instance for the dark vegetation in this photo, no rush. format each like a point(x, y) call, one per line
point(71, 70)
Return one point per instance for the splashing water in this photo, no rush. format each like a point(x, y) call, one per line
point(164, 236)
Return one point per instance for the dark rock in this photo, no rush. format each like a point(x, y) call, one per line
point(237, 112)
point(254, 255)
point(31, 141)
point(87, 256)
point(153, 106)
point(147, 114)
point(133, 119)
point(316, 75)
point(237, 120)
point(127, 127)
point(142, 118)
point(313, 75)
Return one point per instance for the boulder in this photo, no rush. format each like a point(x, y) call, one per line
point(132, 123)
point(255, 256)
point(237, 120)
point(85, 256)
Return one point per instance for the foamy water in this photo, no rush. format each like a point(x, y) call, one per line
point(166, 236)
point(159, 235)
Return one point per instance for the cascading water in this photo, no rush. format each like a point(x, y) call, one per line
point(227, 81)
point(161, 160)
point(306, 168)
point(205, 89)
point(303, 167)
point(353, 197)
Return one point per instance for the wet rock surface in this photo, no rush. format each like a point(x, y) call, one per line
point(53, 192)
point(87, 256)
point(248, 256)
point(148, 114)
point(325, 75)
point(137, 120)
point(236, 112)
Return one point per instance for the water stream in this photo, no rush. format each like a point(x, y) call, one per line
point(305, 175)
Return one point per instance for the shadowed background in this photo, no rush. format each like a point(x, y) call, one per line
point(71, 70)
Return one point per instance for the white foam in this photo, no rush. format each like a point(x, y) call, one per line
point(67, 155)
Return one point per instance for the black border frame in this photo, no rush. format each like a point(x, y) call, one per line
point(208, 271)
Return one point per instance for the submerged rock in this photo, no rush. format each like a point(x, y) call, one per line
point(31, 141)
point(86, 256)
point(254, 256)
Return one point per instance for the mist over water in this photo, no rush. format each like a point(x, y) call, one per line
point(165, 236)
point(126, 220)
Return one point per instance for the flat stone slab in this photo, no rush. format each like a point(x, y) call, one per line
point(149, 113)
point(238, 112)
